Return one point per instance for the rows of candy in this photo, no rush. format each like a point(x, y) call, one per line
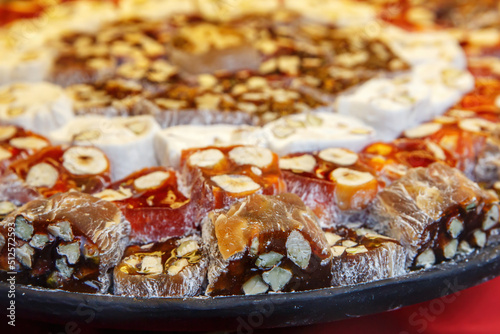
point(254, 235)
point(224, 222)
point(247, 69)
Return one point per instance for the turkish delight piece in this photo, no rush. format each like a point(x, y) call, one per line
point(176, 267)
point(18, 143)
point(55, 169)
point(240, 98)
point(24, 65)
point(206, 47)
point(40, 107)
point(317, 131)
point(392, 160)
point(70, 241)
point(170, 143)
point(127, 142)
point(388, 105)
point(220, 176)
point(362, 255)
point(115, 97)
point(435, 213)
point(472, 139)
point(333, 183)
point(154, 202)
point(265, 243)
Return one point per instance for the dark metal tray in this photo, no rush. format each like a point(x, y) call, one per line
point(245, 313)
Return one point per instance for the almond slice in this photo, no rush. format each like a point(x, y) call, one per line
point(151, 180)
point(476, 125)
point(85, 161)
point(339, 156)
point(236, 184)
point(42, 175)
point(29, 143)
point(7, 132)
point(302, 163)
point(206, 158)
point(251, 155)
point(423, 130)
point(298, 249)
point(255, 286)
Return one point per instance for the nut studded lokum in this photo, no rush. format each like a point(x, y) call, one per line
point(362, 255)
point(18, 143)
point(265, 243)
point(472, 139)
point(435, 213)
point(127, 142)
point(172, 268)
point(69, 241)
point(334, 183)
point(40, 107)
point(392, 160)
point(55, 169)
point(310, 132)
point(220, 176)
point(239, 98)
point(153, 202)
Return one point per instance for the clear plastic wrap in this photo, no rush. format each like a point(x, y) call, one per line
point(172, 268)
point(435, 213)
point(69, 241)
point(265, 243)
point(155, 203)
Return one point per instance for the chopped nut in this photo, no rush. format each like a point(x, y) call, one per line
point(150, 265)
point(65, 270)
point(338, 250)
point(268, 260)
point(479, 238)
point(39, 241)
point(177, 267)
point(277, 278)
point(450, 249)
point(332, 238)
point(426, 258)
point(491, 218)
point(465, 248)
point(23, 229)
point(255, 286)
point(356, 250)
point(187, 247)
point(24, 255)
point(70, 251)
point(455, 227)
point(349, 243)
point(298, 249)
point(61, 230)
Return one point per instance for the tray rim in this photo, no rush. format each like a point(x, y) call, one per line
point(221, 313)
